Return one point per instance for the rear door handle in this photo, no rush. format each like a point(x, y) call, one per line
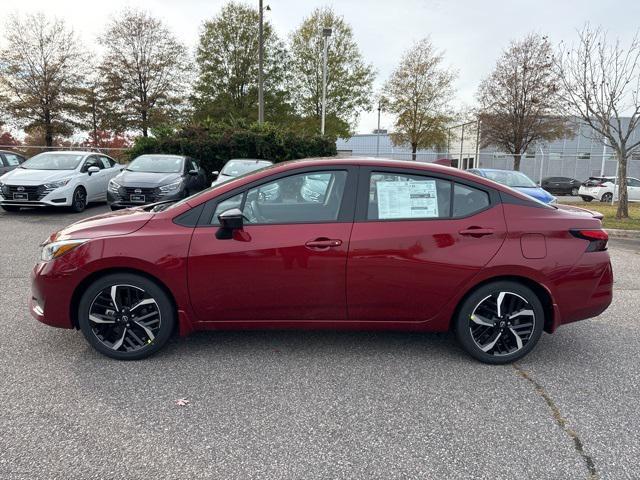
point(476, 231)
point(323, 243)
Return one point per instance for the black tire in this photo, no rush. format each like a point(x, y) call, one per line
point(10, 208)
point(138, 340)
point(500, 332)
point(114, 208)
point(587, 199)
point(607, 197)
point(574, 192)
point(79, 200)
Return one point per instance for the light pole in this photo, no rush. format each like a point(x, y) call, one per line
point(378, 131)
point(326, 33)
point(261, 62)
point(477, 159)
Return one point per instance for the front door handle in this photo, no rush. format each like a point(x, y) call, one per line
point(323, 243)
point(476, 232)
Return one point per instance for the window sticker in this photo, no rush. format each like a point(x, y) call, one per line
point(407, 199)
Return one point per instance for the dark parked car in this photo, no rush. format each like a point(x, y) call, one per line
point(9, 161)
point(374, 244)
point(561, 185)
point(155, 178)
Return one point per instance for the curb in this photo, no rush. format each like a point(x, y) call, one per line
point(617, 233)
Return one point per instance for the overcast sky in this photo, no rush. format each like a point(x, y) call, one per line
point(472, 33)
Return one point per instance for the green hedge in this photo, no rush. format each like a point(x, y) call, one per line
point(213, 145)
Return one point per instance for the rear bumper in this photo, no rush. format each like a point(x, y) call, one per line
point(586, 291)
point(592, 192)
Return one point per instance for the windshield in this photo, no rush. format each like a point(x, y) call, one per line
point(53, 161)
point(156, 164)
point(234, 168)
point(510, 179)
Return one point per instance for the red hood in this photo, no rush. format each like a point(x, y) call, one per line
point(120, 222)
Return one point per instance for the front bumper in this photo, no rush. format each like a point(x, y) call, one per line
point(52, 286)
point(123, 200)
point(37, 196)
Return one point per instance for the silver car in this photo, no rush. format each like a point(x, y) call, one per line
point(238, 166)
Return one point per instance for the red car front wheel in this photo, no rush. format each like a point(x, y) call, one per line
point(126, 316)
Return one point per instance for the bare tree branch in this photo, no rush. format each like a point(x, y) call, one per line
point(600, 81)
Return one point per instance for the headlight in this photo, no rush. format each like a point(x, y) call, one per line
point(171, 187)
point(57, 249)
point(58, 184)
point(114, 186)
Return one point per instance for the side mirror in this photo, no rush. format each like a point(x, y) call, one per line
point(193, 173)
point(93, 169)
point(230, 220)
point(215, 173)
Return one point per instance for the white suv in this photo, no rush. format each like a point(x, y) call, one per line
point(58, 179)
point(602, 188)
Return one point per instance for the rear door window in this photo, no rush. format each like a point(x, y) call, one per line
point(395, 196)
point(400, 196)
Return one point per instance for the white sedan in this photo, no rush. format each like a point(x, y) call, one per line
point(602, 188)
point(58, 179)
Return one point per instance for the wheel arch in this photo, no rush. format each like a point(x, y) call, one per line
point(84, 284)
point(540, 290)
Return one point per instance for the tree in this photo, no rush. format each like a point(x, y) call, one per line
point(601, 86)
point(349, 78)
point(144, 69)
point(519, 101)
point(418, 95)
point(227, 61)
point(98, 112)
point(7, 140)
point(40, 74)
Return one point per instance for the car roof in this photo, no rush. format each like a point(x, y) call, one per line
point(77, 152)
point(496, 170)
point(161, 155)
point(249, 160)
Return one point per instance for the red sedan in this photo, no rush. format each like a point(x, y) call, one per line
point(341, 244)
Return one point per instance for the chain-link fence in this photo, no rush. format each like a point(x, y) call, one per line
point(555, 164)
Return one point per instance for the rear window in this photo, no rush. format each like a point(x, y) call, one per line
point(593, 181)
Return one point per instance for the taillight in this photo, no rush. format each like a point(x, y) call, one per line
point(597, 238)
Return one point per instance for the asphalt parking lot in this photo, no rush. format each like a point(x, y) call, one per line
point(303, 405)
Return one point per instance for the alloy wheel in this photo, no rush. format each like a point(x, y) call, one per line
point(607, 197)
point(574, 192)
point(502, 323)
point(124, 318)
point(79, 200)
